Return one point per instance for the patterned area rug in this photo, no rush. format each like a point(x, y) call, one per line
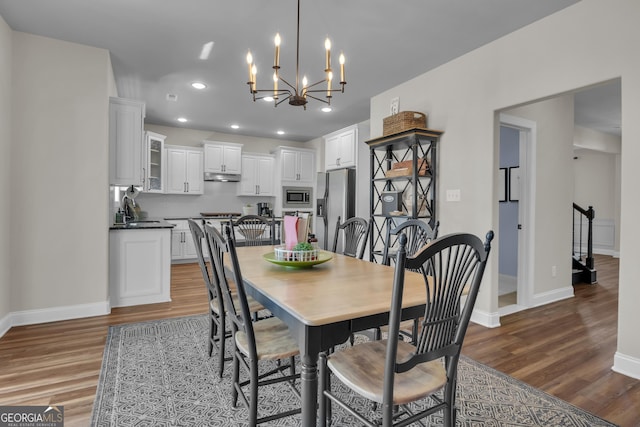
point(158, 374)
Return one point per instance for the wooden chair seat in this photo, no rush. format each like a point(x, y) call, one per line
point(361, 368)
point(254, 306)
point(273, 340)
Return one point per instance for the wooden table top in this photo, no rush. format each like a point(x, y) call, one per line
point(343, 288)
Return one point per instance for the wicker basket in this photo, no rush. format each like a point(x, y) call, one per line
point(404, 120)
point(283, 254)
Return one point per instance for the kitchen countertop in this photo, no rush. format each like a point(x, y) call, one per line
point(143, 224)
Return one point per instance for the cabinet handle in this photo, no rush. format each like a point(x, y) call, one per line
point(187, 187)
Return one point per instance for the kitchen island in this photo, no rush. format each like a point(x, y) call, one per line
point(140, 262)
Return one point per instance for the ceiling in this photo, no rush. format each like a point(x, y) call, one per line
point(155, 47)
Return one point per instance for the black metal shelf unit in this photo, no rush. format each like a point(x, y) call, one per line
point(418, 186)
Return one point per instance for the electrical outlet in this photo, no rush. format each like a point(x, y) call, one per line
point(453, 195)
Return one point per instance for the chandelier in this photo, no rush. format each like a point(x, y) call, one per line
point(297, 94)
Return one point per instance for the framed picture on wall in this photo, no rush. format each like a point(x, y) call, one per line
point(514, 184)
point(502, 185)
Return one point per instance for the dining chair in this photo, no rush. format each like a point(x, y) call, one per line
point(217, 320)
point(263, 340)
point(255, 229)
point(355, 231)
point(418, 234)
point(394, 373)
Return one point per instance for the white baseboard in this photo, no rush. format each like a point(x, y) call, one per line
point(54, 314)
point(626, 365)
point(552, 296)
point(486, 319)
point(5, 324)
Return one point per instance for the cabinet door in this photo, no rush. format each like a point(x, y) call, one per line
point(125, 142)
point(176, 171)
point(189, 246)
point(154, 163)
point(306, 167)
point(194, 174)
point(248, 179)
point(264, 176)
point(232, 160)
point(176, 244)
point(331, 152)
point(347, 149)
point(289, 161)
point(213, 157)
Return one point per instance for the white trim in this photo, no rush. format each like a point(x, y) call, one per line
point(553, 296)
point(54, 314)
point(626, 365)
point(486, 319)
point(526, 237)
point(5, 324)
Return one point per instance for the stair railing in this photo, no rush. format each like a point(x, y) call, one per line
point(583, 214)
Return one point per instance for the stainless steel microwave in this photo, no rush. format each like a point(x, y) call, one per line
point(297, 197)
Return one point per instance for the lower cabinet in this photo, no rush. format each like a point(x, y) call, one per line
point(182, 246)
point(139, 266)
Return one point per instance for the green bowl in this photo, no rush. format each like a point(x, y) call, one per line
point(323, 256)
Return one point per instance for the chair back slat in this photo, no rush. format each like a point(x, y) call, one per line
point(355, 232)
point(452, 266)
point(256, 230)
point(418, 233)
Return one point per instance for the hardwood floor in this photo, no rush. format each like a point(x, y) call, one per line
point(565, 349)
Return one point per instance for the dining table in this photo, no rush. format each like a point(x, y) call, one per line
point(325, 303)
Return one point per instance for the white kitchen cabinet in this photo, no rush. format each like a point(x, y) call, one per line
point(184, 170)
point(182, 245)
point(297, 165)
point(257, 175)
point(139, 266)
point(340, 148)
point(222, 157)
point(126, 120)
point(154, 163)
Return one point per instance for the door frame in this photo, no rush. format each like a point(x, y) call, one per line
point(526, 210)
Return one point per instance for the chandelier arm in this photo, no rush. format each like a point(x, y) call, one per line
point(316, 84)
point(288, 84)
point(325, 90)
point(318, 99)
point(282, 100)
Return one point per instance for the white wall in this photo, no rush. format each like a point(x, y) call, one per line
point(5, 149)
point(59, 176)
point(549, 57)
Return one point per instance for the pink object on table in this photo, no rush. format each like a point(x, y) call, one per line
point(290, 231)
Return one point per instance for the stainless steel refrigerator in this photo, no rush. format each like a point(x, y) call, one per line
point(337, 192)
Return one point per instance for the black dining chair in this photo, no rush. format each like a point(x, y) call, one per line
point(255, 230)
point(217, 320)
point(394, 373)
point(354, 233)
point(254, 342)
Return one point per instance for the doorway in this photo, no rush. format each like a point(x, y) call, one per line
point(517, 161)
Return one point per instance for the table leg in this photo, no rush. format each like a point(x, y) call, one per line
point(309, 386)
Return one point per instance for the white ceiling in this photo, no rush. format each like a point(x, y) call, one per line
point(155, 45)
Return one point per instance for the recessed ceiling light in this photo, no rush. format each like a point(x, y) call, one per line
point(206, 51)
point(235, 127)
point(268, 98)
point(280, 132)
point(182, 120)
point(326, 109)
point(198, 85)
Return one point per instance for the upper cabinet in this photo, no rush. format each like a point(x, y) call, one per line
point(184, 170)
point(126, 119)
point(222, 157)
point(297, 165)
point(154, 163)
point(340, 148)
point(257, 175)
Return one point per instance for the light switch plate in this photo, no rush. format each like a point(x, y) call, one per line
point(395, 105)
point(453, 195)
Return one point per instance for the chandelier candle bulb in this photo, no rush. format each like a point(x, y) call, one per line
point(327, 45)
point(250, 63)
point(277, 42)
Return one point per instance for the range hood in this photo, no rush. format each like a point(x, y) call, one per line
point(222, 177)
